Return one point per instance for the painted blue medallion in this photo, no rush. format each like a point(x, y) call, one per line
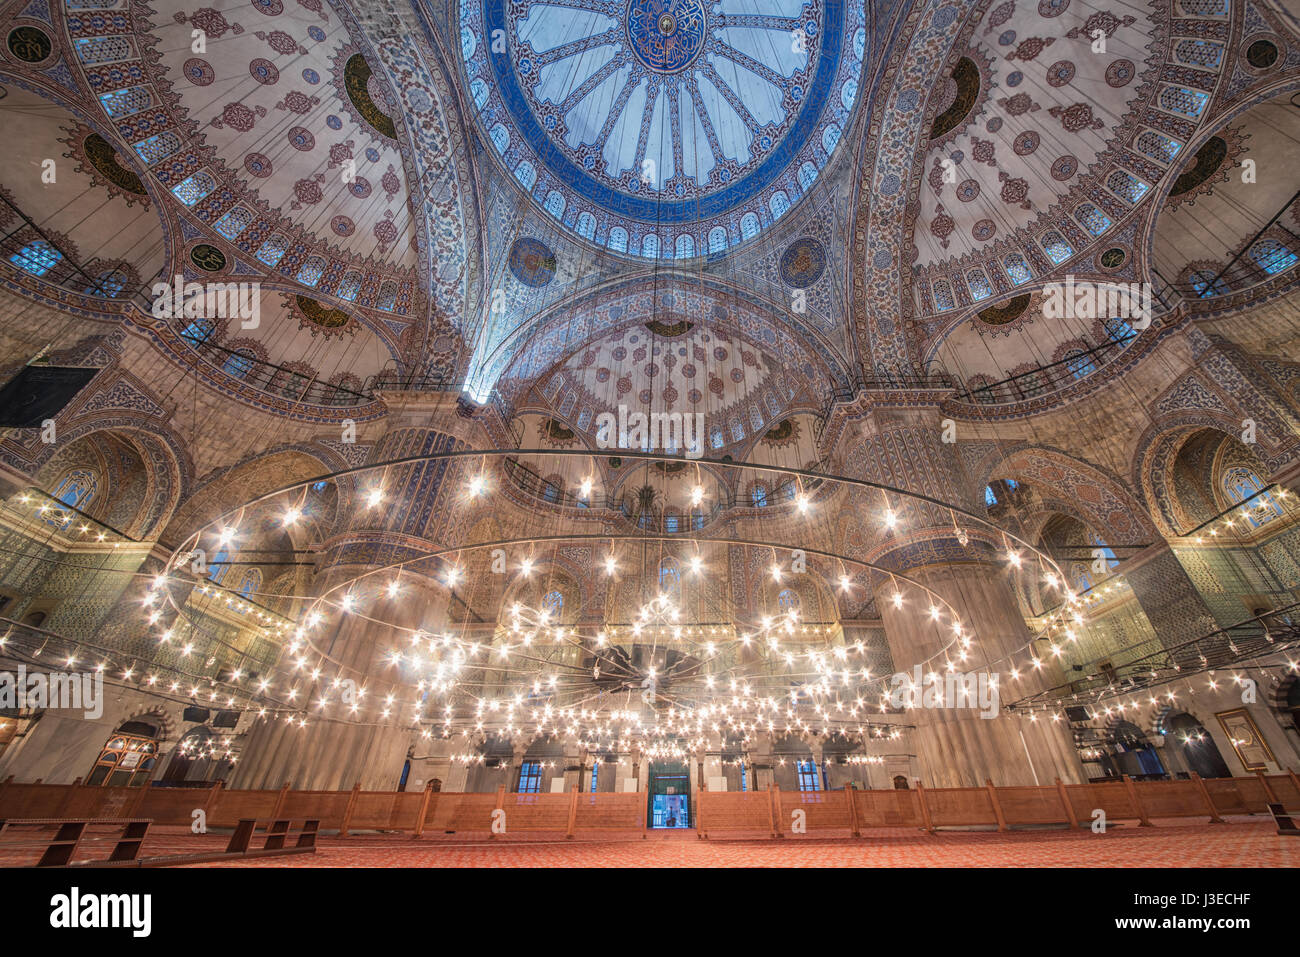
point(666, 35)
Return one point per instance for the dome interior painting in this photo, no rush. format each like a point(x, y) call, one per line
point(665, 129)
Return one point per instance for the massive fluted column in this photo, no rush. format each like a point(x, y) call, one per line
point(337, 748)
point(900, 442)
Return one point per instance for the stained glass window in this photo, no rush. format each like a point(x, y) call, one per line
point(530, 777)
point(1242, 485)
point(234, 222)
point(38, 257)
point(1079, 363)
point(1127, 186)
point(1199, 53)
point(1271, 256)
point(1057, 249)
point(273, 250)
point(349, 286)
point(125, 102)
point(95, 50)
point(943, 300)
point(1158, 146)
point(809, 778)
point(311, 271)
point(238, 364)
point(1185, 102)
point(192, 189)
point(1017, 269)
point(1092, 219)
point(157, 147)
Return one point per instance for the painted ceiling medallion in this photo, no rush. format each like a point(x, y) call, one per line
point(316, 316)
point(29, 44)
point(803, 263)
point(1004, 312)
point(1208, 167)
point(664, 128)
point(356, 80)
point(666, 35)
point(669, 330)
point(532, 262)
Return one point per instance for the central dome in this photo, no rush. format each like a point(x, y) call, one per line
point(664, 128)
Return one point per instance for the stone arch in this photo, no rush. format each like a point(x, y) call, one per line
point(1098, 498)
point(1156, 461)
point(164, 469)
point(255, 475)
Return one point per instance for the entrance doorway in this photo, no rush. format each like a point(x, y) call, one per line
point(670, 796)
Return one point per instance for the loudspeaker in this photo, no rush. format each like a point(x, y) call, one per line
point(225, 719)
point(1076, 714)
point(193, 713)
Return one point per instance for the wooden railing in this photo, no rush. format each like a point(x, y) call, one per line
point(772, 812)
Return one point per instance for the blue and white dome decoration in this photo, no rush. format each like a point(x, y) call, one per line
point(664, 128)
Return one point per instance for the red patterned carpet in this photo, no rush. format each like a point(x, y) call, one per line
point(1245, 842)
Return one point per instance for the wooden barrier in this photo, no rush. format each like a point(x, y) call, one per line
point(59, 847)
point(767, 813)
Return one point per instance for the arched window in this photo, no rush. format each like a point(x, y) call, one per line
point(809, 778)
point(127, 758)
point(109, 284)
point(618, 239)
point(200, 330)
point(1079, 363)
point(1206, 284)
point(37, 257)
point(250, 582)
point(670, 580)
point(553, 603)
point(650, 247)
point(788, 600)
point(77, 488)
point(192, 189)
point(990, 497)
point(1118, 330)
point(238, 364)
point(1242, 486)
point(943, 300)
point(758, 495)
point(218, 565)
point(387, 298)
point(1272, 257)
